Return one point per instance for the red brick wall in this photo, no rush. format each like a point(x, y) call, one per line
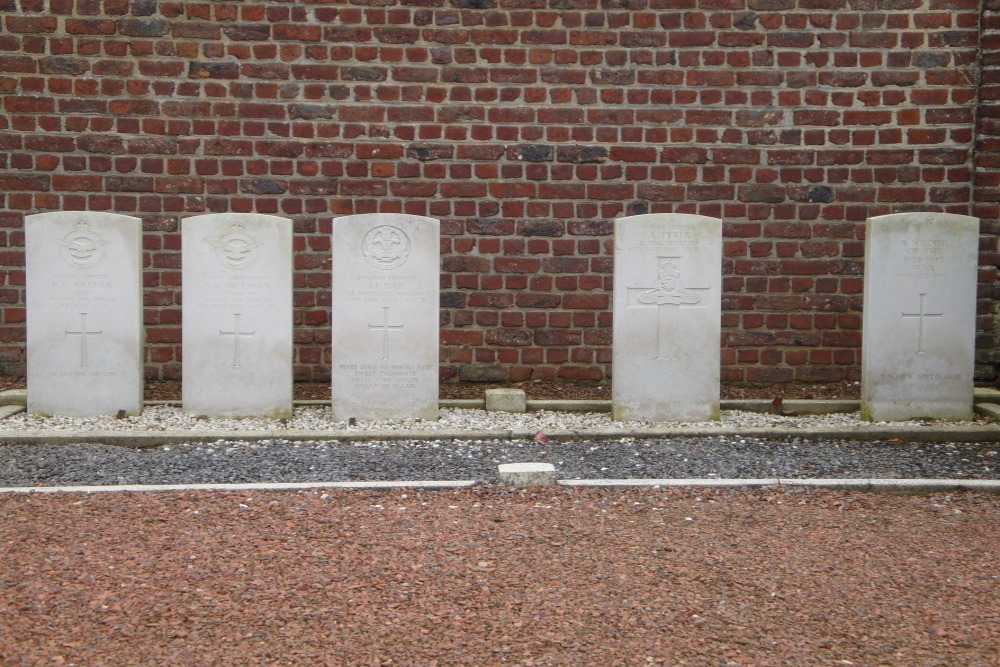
point(526, 127)
point(987, 194)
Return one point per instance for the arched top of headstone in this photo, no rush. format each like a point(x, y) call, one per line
point(676, 218)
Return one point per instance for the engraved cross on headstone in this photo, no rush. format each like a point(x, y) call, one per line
point(668, 296)
point(237, 334)
point(83, 333)
point(385, 328)
point(920, 322)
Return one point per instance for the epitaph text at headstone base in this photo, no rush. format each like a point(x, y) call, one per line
point(667, 318)
point(84, 320)
point(919, 318)
point(237, 315)
point(385, 317)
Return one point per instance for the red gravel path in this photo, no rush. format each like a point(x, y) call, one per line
point(492, 577)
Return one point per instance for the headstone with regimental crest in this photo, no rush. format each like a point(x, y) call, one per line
point(667, 317)
point(84, 320)
point(385, 317)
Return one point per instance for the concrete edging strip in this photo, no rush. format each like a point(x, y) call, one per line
point(863, 484)
point(871, 485)
point(139, 439)
point(248, 486)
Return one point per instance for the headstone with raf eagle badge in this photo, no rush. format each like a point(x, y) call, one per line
point(385, 317)
point(237, 315)
point(84, 320)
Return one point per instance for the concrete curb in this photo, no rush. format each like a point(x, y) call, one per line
point(249, 486)
point(868, 485)
point(871, 485)
point(140, 440)
point(10, 409)
point(991, 410)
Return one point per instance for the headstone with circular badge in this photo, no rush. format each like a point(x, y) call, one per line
point(84, 301)
point(237, 315)
point(386, 283)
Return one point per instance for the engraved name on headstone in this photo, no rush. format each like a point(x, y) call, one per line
point(667, 317)
point(237, 315)
point(84, 299)
point(385, 317)
point(919, 318)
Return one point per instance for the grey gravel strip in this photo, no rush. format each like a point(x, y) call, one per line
point(259, 486)
point(284, 461)
point(871, 485)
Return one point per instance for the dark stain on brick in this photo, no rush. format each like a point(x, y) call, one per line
point(263, 186)
point(474, 4)
point(64, 65)
point(745, 21)
point(531, 153)
point(310, 111)
point(143, 7)
point(820, 194)
point(203, 70)
point(143, 27)
point(613, 77)
point(929, 59)
point(248, 33)
point(471, 373)
point(452, 300)
point(428, 152)
point(363, 74)
point(550, 228)
point(582, 154)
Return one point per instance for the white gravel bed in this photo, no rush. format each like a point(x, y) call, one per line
point(164, 418)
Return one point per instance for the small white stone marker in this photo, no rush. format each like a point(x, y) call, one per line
point(527, 474)
point(919, 320)
point(506, 400)
point(667, 318)
point(237, 315)
point(385, 317)
point(84, 298)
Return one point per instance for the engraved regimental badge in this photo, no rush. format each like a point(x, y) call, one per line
point(236, 248)
point(82, 247)
point(386, 247)
point(668, 288)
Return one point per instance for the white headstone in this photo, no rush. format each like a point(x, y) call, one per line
point(385, 316)
point(667, 317)
point(237, 315)
point(919, 316)
point(84, 299)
